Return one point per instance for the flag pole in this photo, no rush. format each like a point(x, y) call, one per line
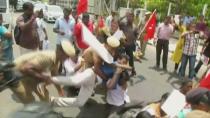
point(146, 24)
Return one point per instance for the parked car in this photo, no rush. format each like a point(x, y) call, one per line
point(39, 6)
point(21, 2)
point(52, 12)
point(5, 11)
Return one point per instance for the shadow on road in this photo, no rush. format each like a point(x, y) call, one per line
point(92, 109)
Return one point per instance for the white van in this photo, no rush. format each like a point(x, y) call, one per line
point(5, 11)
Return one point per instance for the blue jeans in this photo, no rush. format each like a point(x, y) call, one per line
point(185, 59)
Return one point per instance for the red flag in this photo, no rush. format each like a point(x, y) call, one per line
point(100, 22)
point(150, 27)
point(82, 6)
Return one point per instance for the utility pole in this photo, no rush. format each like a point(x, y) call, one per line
point(169, 9)
point(204, 9)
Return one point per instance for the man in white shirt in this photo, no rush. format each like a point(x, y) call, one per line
point(64, 27)
point(85, 79)
point(41, 28)
point(109, 19)
point(164, 33)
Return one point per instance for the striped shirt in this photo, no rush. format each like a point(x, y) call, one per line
point(191, 44)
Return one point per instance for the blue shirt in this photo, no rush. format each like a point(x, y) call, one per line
point(5, 43)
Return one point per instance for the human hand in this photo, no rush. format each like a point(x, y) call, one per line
point(61, 93)
point(119, 70)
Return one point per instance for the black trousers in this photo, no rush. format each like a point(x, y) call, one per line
point(162, 45)
point(129, 51)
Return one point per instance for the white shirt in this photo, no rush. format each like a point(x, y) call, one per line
point(116, 96)
point(70, 65)
point(65, 26)
point(85, 79)
point(41, 26)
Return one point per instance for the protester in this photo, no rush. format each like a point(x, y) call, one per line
point(201, 25)
point(164, 33)
point(109, 19)
point(28, 37)
point(154, 109)
point(199, 99)
point(36, 68)
point(78, 31)
point(91, 58)
point(85, 79)
point(177, 55)
point(205, 54)
point(191, 38)
point(43, 37)
point(186, 86)
point(142, 40)
point(131, 33)
point(64, 27)
point(117, 87)
point(6, 42)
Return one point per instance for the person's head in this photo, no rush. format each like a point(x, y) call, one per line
point(144, 114)
point(1, 19)
point(85, 18)
point(186, 86)
point(123, 59)
point(124, 77)
point(74, 13)
point(66, 12)
point(191, 27)
point(114, 25)
point(199, 99)
point(162, 100)
point(28, 9)
point(112, 44)
point(65, 50)
point(147, 15)
point(113, 13)
point(41, 14)
point(130, 17)
point(202, 18)
point(167, 20)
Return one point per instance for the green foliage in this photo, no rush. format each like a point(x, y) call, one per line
point(183, 7)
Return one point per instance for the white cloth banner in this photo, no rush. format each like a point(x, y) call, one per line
point(174, 103)
point(93, 42)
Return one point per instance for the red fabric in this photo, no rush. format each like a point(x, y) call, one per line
point(150, 28)
point(78, 34)
point(82, 6)
point(100, 22)
point(205, 82)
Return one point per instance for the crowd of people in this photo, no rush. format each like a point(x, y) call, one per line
point(77, 66)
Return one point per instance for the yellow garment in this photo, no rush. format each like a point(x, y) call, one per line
point(44, 60)
point(156, 107)
point(177, 55)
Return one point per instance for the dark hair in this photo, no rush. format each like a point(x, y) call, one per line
point(124, 77)
point(164, 97)
point(185, 82)
point(144, 114)
point(26, 5)
point(67, 9)
point(85, 15)
point(124, 56)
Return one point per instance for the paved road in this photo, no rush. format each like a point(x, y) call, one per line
point(149, 85)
